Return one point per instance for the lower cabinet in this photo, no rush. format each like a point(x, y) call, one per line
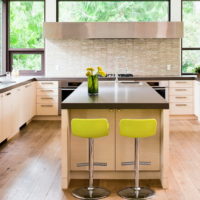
point(8, 114)
point(116, 150)
point(104, 148)
point(2, 135)
point(17, 107)
point(149, 147)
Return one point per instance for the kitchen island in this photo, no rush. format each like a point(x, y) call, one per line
point(115, 101)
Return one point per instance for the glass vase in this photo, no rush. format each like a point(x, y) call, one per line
point(93, 85)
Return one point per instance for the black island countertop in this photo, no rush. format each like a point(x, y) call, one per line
point(135, 95)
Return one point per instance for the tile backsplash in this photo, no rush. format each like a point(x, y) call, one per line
point(141, 56)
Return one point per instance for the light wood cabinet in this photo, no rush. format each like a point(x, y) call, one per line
point(2, 135)
point(149, 147)
point(197, 99)
point(28, 101)
point(7, 104)
point(104, 148)
point(181, 97)
point(47, 98)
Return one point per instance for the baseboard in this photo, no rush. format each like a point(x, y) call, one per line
point(184, 117)
point(50, 118)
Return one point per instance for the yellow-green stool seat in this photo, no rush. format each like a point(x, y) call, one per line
point(89, 128)
point(138, 128)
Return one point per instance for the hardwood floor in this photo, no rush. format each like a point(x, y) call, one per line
point(30, 165)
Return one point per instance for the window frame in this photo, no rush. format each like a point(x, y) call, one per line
point(186, 48)
point(11, 51)
point(57, 6)
point(4, 36)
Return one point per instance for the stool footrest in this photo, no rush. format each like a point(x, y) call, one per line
point(87, 164)
point(133, 163)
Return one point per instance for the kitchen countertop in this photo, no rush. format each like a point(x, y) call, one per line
point(22, 80)
point(116, 96)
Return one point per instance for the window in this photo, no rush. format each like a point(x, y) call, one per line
point(191, 40)
point(26, 43)
point(113, 11)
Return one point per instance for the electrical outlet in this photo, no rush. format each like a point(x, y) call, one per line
point(168, 67)
point(57, 67)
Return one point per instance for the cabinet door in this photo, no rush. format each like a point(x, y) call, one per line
point(7, 114)
point(28, 99)
point(16, 111)
point(32, 92)
point(20, 98)
point(149, 147)
point(2, 135)
point(197, 99)
point(104, 148)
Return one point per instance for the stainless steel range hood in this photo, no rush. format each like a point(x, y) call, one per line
point(98, 30)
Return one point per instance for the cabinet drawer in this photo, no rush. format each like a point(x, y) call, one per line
point(180, 99)
point(47, 92)
point(180, 91)
point(47, 84)
point(47, 99)
point(181, 83)
point(181, 108)
point(47, 109)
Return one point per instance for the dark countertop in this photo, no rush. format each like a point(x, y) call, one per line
point(19, 81)
point(22, 80)
point(141, 78)
point(116, 96)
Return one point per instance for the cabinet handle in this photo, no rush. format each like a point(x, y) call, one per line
point(47, 90)
point(181, 97)
point(181, 82)
point(46, 98)
point(181, 104)
point(46, 105)
point(47, 83)
point(133, 163)
point(118, 110)
point(8, 94)
point(181, 90)
point(87, 164)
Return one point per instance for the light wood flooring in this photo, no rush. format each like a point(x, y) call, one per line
point(30, 165)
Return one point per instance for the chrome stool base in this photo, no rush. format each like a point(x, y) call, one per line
point(95, 194)
point(131, 193)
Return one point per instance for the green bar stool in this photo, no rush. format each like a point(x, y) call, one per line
point(137, 128)
point(90, 128)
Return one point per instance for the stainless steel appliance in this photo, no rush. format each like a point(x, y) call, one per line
point(66, 88)
point(119, 75)
point(161, 87)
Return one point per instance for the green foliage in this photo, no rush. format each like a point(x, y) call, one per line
point(113, 11)
point(26, 22)
point(197, 70)
point(21, 61)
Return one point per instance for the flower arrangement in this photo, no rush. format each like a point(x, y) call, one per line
point(90, 71)
point(93, 85)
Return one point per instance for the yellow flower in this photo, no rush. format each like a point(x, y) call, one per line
point(88, 73)
point(99, 68)
point(102, 73)
point(90, 69)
